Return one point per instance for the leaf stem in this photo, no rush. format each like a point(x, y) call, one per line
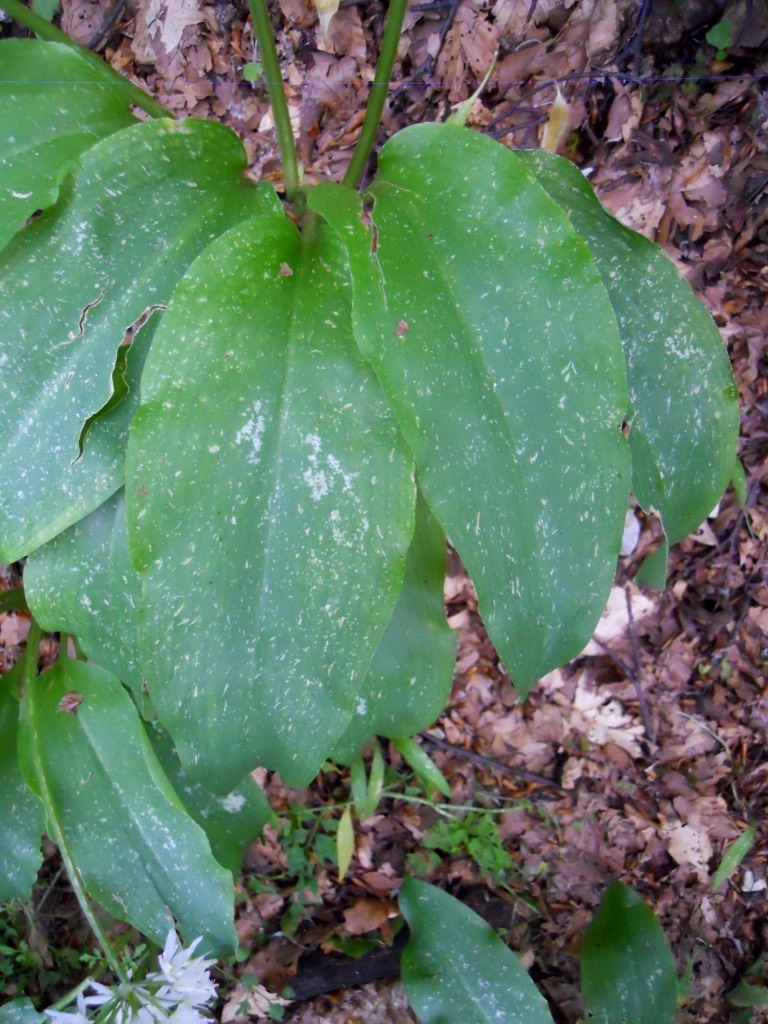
point(378, 96)
point(447, 810)
point(23, 14)
point(31, 690)
point(71, 996)
point(262, 26)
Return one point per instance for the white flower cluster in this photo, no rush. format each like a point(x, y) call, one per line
point(177, 993)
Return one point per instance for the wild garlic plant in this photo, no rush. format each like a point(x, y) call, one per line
point(240, 427)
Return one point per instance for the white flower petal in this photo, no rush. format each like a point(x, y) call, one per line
point(61, 1017)
point(102, 995)
point(184, 978)
point(186, 1014)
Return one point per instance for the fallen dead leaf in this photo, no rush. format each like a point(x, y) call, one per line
point(251, 1001)
point(688, 846)
point(614, 622)
point(367, 916)
point(602, 720)
point(13, 629)
point(159, 27)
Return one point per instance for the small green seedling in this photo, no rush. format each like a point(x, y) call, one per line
point(721, 36)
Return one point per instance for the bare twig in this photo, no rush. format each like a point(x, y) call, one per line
point(115, 12)
point(519, 127)
point(489, 762)
point(634, 48)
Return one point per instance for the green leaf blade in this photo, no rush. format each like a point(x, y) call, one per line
point(138, 851)
point(508, 388)
point(627, 969)
point(345, 842)
point(22, 817)
point(21, 1011)
point(683, 416)
point(456, 968)
point(71, 285)
point(232, 822)
point(261, 422)
point(53, 106)
point(409, 681)
point(733, 856)
point(82, 582)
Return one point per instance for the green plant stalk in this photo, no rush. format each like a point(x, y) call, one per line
point(262, 26)
point(23, 14)
point(378, 96)
point(446, 810)
point(31, 686)
point(71, 996)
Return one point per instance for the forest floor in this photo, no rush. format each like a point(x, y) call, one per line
point(645, 757)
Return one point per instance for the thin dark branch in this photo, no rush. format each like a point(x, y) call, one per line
point(489, 762)
point(115, 12)
point(518, 127)
point(632, 50)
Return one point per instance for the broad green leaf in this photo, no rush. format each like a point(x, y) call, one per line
point(136, 210)
point(53, 106)
point(82, 582)
point(21, 1011)
point(733, 856)
point(627, 970)
point(410, 677)
point(457, 969)
point(270, 507)
point(683, 414)
point(232, 822)
point(138, 851)
point(22, 818)
point(493, 339)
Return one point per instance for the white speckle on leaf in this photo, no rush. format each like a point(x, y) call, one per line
point(315, 477)
point(252, 431)
point(232, 803)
